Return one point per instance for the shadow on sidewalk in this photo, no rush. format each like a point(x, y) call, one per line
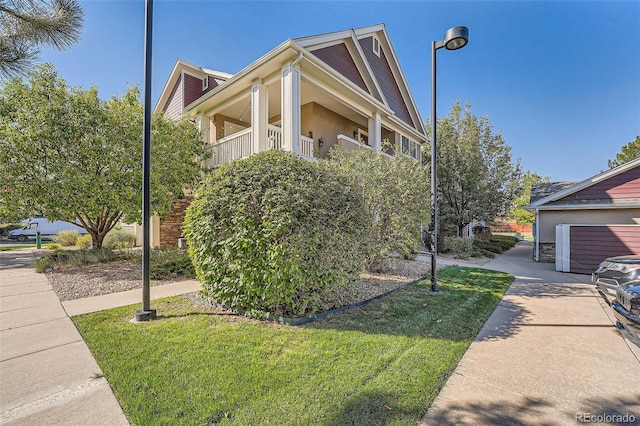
point(18, 259)
point(528, 412)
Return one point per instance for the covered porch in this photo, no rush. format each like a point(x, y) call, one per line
point(296, 108)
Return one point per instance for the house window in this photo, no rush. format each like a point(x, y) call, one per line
point(376, 46)
point(410, 148)
point(205, 83)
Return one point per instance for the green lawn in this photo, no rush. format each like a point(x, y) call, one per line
point(380, 364)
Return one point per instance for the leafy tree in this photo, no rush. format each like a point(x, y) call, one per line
point(476, 177)
point(27, 24)
point(71, 156)
point(518, 213)
point(396, 192)
point(629, 152)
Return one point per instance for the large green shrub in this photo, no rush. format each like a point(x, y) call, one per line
point(278, 234)
point(396, 192)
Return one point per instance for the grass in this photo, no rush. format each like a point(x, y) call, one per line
point(24, 246)
point(380, 364)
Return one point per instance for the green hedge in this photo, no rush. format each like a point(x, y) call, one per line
point(496, 244)
point(278, 234)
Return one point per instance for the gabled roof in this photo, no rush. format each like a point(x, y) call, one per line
point(364, 90)
point(381, 74)
point(567, 189)
point(543, 190)
point(183, 66)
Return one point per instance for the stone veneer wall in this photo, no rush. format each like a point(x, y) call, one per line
point(547, 252)
point(171, 224)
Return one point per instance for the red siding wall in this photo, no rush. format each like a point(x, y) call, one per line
point(192, 89)
point(339, 58)
point(624, 185)
point(386, 80)
point(590, 245)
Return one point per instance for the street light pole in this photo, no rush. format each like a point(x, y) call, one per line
point(146, 313)
point(455, 38)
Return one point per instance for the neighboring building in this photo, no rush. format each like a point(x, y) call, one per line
point(307, 95)
point(578, 224)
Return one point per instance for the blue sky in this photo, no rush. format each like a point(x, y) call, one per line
point(560, 80)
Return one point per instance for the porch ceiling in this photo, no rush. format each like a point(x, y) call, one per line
point(241, 108)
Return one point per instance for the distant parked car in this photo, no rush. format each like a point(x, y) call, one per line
point(47, 229)
point(613, 272)
point(626, 308)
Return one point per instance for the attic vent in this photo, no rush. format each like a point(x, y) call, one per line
point(205, 83)
point(376, 46)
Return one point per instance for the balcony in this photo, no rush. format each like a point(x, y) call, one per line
point(240, 145)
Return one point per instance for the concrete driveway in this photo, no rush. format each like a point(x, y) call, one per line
point(549, 355)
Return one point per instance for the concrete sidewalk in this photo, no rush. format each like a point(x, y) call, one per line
point(548, 355)
point(48, 376)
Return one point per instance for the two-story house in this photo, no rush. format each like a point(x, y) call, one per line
point(306, 95)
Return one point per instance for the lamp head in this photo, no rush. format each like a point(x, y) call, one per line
point(456, 38)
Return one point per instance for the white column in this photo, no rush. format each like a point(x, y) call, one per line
point(204, 124)
point(375, 132)
point(290, 112)
point(259, 115)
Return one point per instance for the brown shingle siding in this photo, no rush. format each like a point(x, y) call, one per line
point(339, 58)
point(590, 245)
point(623, 186)
point(192, 88)
point(386, 80)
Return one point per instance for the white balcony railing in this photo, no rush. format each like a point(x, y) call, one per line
point(240, 145)
point(274, 137)
point(306, 146)
point(233, 147)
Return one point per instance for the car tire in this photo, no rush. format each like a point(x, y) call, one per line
point(21, 238)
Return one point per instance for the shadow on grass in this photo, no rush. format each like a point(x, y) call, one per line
point(369, 408)
point(197, 314)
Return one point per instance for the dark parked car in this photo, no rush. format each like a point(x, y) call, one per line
point(613, 272)
point(626, 308)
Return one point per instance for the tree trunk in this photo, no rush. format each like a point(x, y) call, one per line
point(99, 227)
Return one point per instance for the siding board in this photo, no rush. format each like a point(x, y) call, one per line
point(339, 58)
point(590, 245)
point(387, 81)
point(173, 107)
point(623, 186)
point(192, 89)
